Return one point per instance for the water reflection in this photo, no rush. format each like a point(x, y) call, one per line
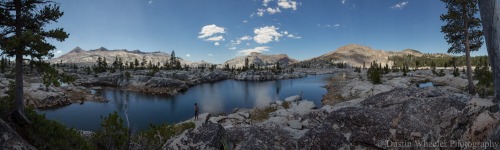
point(144, 109)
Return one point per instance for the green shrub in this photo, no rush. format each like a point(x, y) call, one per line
point(127, 75)
point(286, 105)
point(68, 78)
point(485, 85)
point(155, 136)
point(113, 134)
point(441, 73)
point(260, 114)
point(43, 133)
point(374, 73)
point(152, 72)
point(456, 72)
point(357, 69)
point(7, 102)
point(48, 134)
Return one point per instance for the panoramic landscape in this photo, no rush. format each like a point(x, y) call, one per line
point(255, 74)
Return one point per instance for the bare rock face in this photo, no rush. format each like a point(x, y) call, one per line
point(38, 95)
point(404, 115)
point(257, 137)
point(209, 136)
point(259, 59)
point(9, 139)
point(266, 75)
point(88, 57)
point(355, 55)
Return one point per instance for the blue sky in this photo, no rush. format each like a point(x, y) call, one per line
point(219, 30)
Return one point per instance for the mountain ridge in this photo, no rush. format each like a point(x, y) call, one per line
point(355, 55)
point(89, 57)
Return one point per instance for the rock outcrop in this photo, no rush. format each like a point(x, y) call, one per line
point(267, 75)
point(9, 139)
point(262, 60)
point(162, 82)
point(82, 57)
point(402, 115)
point(210, 136)
point(355, 55)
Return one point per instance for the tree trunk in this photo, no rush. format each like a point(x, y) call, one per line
point(467, 60)
point(490, 16)
point(19, 92)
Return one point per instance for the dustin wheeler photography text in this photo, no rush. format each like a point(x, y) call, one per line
point(437, 144)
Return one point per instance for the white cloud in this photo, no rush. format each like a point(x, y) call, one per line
point(248, 44)
point(58, 52)
point(239, 40)
point(335, 26)
point(273, 10)
point(260, 12)
point(266, 34)
point(215, 38)
point(210, 55)
point(150, 2)
point(343, 1)
point(210, 30)
point(246, 37)
point(265, 2)
point(188, 55)
point(293, 36)
point(216, 43)
point(287, 4)
point(245, 21)
point(286, 32)
point(232, 48)
point(256, 49)
point(400, 5)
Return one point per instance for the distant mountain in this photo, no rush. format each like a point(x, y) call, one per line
point(261, 59)
point(355, 55)
point(83, 57)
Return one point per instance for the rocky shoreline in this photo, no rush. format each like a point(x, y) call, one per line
point(37, 95)
point(400, 115)
point(366, 117)
point(162, 82)
point(369, 117)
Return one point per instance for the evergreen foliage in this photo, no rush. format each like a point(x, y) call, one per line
point(374, 73)
point(463, 31)
point(113, 134)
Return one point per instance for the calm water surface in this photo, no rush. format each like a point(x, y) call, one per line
point(224, 96)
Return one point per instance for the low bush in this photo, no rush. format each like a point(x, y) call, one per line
point(260, 114)
point(156, 136)
point(48, 134)
point(113, 134)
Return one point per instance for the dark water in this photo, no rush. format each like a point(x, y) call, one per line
point(224, 96)
point(424, 85)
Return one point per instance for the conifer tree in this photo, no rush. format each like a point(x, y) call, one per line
point(23, 32)
point(463, 31)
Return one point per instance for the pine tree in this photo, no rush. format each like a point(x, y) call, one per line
point(463, 31)
point(104, 64)
point(173, 60)
point(136, 63)
point(3, 65)
point(144, 62)
point(245, 68)
point(23, 32)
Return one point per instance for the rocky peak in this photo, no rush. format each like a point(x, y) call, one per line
point(356, 55)
point(261, 59)
point(255, 54)
point(102, 49)
point(77, 50)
